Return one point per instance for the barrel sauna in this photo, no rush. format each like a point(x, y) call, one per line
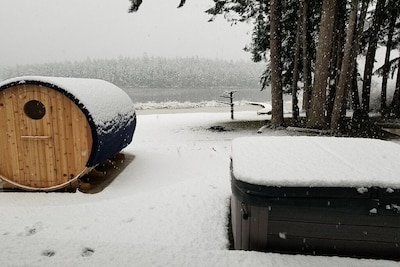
point(53, 130)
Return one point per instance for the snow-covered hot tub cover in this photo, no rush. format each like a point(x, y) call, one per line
point(316, 162)
point(109, 110)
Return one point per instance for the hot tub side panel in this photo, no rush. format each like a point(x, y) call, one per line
point(319, 221)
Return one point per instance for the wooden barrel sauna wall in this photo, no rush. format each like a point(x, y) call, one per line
point(53, 130)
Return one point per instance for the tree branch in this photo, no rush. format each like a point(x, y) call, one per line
point(135, 4)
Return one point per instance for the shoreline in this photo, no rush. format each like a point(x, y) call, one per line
point(226, 109)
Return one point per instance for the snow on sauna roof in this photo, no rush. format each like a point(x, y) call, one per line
point(316, 162)
point(102, 99)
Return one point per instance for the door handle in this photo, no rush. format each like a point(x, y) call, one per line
point(35, 137)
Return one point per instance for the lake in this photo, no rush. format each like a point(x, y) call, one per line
point(144, 95)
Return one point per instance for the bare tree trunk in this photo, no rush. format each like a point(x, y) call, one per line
point(386, 67)
point(396, 96)
point(338, 41)
point(370, 57)
point(306, 56)
point(276, 73)
point(316, 115)
point(346, 71)
point(353, 84)
point(295, 101)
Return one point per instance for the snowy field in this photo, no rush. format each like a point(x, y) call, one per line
point(168, 207)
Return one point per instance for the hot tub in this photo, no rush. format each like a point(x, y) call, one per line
point(316, 195)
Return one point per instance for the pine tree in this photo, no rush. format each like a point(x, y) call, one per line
point(370, 57)
point(346, 71)
point(276, 73)
point(316, 116)
point(392, 15)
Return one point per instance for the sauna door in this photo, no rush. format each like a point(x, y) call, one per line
point(36, 142)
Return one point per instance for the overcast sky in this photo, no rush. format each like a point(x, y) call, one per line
point(37, 31)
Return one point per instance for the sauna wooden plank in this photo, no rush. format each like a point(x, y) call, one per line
point(60, 136)
point(42, 152)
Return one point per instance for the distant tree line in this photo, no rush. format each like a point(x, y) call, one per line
point(145, 71)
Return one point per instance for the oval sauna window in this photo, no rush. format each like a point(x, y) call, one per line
point(35, 109)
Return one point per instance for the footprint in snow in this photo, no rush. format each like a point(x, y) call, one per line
point(48, 253)
point(31, 230)
point(129, 220)
point(86, 252)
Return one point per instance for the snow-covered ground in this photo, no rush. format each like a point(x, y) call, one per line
point(168, 207)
